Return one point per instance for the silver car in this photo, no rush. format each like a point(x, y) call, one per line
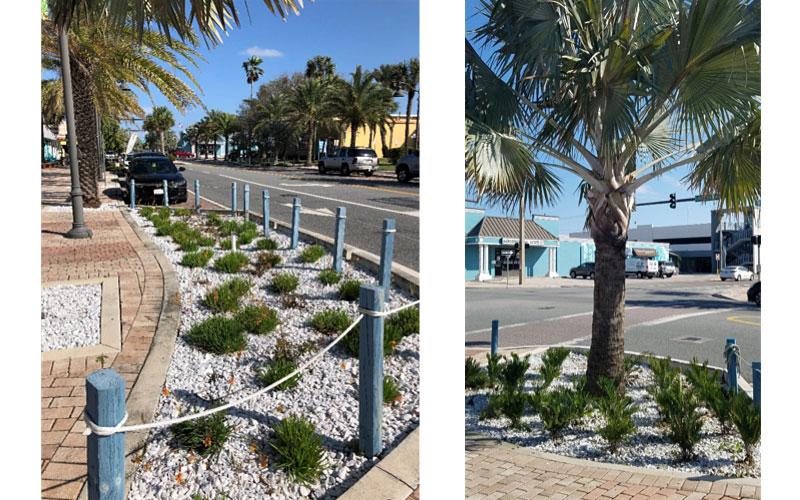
point(348, 160)
point(736, 273)
point(407, 167)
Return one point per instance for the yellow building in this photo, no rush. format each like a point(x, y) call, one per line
point(395, 135)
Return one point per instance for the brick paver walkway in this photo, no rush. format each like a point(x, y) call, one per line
point(500, 470)
point(114, 250)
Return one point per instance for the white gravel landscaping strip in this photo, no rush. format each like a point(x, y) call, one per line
point(715, 454)
point(105, 207)
point(70, 316)
point(326, 395)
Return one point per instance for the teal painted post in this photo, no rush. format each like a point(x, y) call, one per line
point(387, 250)
point(495, 336)
point(105, 455)
point(295, 222)
point(265, 210)
point(246, 202)
point(197, 194)
point(233, 199)
point(370, 372)
point(338, 253)
point(165, 186)
point(757, 383)
point(133, 193)
point(733, 370)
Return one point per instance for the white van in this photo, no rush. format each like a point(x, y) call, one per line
point(641, 267)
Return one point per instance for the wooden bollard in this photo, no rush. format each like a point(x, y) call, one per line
point(338, 250)
point(105, 455)
point(387, 252)
point(370, 372)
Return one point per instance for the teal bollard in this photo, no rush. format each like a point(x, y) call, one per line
point(757, 383)
point(370, 371)
point(265, 211)
point(132, 190)
point(387, 251)
point(166, 192)
point(233, 199)
point(295, 223)
point(495, 336)
point(197, 194)
point(338, 250)
point(733, 369)
point(105, 455)
point(246, 202)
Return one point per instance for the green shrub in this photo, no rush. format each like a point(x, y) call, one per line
point(163, 213)
point(204, 436)
point(617, 410)
point(227, 227)
point(550, 369)
point(266, 244)
point(494, 367)
point(349, 290)
point(231, 263)
point(284, 283)
point(299, 450)
point(166, 228)
point(258, 319)
point(226, 244)
point(213, 219)
point(247, 226)
point(405, 322)
point(561, 408)
point(246, 237)
point(311, 254)
point(474, 376)
point(197, 259)
point(329, 277)
point(512, 373)
point(391, 337)
point(182, 212)
point(218, 335)
point(707, 386)
point(511, 405)
point(226, 296)
point(279, 368)
point(146, 212)
point(331, 321)
point(391, 391)
point(682, 418)
point(747, 419)
point(266, 261)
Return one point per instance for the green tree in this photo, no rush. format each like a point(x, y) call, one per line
point(225, 124)
point(410, 83)
point(392, 77)
point(320, 67)
point(355, 101)
point(206, 133)
point(616, 93)
point(158, 123)
point(115, 139)
point(253, 71)
point(310, 104)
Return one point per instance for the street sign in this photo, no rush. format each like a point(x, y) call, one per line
point(716, 256)
point(702, 198)
point(506, 252)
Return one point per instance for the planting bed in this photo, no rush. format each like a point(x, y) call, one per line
point(326, 394)
point(70, 316)
point(716, 453)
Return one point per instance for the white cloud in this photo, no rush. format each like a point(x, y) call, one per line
point(255, 50)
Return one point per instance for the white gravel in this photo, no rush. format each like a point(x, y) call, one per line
point(104, 207)
point(326, 394)
point(715, 454)
point(70, 316)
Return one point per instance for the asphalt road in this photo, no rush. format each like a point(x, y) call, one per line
point(368, 200)
point(678, 317)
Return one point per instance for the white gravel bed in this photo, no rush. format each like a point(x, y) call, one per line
point(104, 207)
point(70, 316)
point(326, 395)
point(715, 454)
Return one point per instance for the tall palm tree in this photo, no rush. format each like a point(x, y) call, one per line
point(206, 133)
point(253, 71)
point(355, 101)
point(410, 83)
point(309, 104)
point(320, 67)
point(190, 135)
point(392, 77)
point(617, 93)
point(159, 122)
point(225, 124)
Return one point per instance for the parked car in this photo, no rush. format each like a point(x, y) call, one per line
point(348, 160)
point(584, 270)
point(736, 273)
point(641, 267)
point(754, 294)
point(149, 172)
point(407, 167)
point(666, 269)
point(184, 155)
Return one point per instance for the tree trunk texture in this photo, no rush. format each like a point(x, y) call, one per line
point(409, 101)
point(215, 149)
point(226, 147)
point(384, 149)
point(310, 148)
point(161, 139)
point(86, 134)
point(353, 131)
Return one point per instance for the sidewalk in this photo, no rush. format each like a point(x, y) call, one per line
point(115, 250)
point(495, 469)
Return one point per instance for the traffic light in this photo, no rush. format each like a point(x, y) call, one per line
point(673, 202)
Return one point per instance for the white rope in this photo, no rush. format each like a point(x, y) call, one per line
point(92, 428)
point(381, 314)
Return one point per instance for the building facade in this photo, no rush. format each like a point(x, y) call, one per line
point(395, 135)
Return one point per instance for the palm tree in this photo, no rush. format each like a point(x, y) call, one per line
point(253, 71)
point(411, 81)
point(320, 67)
point(159, 122)
point(309, 104)
point(191, 136)
point(616, 94)
point(355, 101)
point(206, 133)
point(392, 77)
point(225, 124)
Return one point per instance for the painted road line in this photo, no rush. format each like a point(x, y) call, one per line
point(502, 327)
point(744, 320)
point(546, 320)
point(678, 317)
point(322, 212)
point(305, 184)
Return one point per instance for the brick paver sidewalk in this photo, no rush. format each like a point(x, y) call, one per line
point(496, 469)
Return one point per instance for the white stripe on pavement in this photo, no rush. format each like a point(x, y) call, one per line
point(678, 317)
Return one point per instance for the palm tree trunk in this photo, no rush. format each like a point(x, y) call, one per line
point(161, 139)
point(409, 101)
point(353, 131)
point(215, 148)
point(310, 150)
point(384, 149)
point(522, 270)
point(371, 135)
point(226, 148)
point(86, 135)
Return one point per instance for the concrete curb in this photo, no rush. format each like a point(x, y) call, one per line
point(393, 478)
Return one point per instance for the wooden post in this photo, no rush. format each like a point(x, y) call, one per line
point(370, 372)
point(295, 222)
point(733, 371)
point(166, 192)
point(197, 194)
point(105, 406)
point(387, 250)
point(757, 383)
point(495, 336)
point(132, 189)
point(338, 253)
point(265, 210)
point(246, 202)
point(233, 199)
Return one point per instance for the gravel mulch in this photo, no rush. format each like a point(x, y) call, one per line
point(70, 316)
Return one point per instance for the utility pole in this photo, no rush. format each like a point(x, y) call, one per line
point(521, 237)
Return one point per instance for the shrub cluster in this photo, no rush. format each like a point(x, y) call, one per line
point(226, 297)
point(299, 450)
point(258, 319)
point(204, 436)
point(311, 254)
point(617, 410)
point(329, 277)
point(331, 321)
point(199, 258)
point(561, 407)
point(266, 261)
point(218, 335)
point(509, 399)
point(395, 327)
point(349, 290)
point(276, 370)
point(474, 376)
point(266, 244)
point(283, 283)
point(231, 262)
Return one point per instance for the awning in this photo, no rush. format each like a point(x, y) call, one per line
point(644, 252)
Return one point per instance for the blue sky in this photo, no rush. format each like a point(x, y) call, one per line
point(351, 32)
point(572, 215)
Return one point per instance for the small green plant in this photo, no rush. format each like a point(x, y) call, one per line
point(284, 349)
point(182, 212)
point(474, 376)
point(682, 418)
point(226, 244)
point(101, 358)
point(266, 261)
point(560, 408)
point(299, 450)
point(405, 322)
point(391, 337)
point(227, 227)
point(329, 277)
point(204, 436)
point(231, 263)
point(311, 254)
point(331, 321)
point(349, 290)
point(197, 259)
point(164, 213)
point(218, 335)
point(258, 319)
point(246, 237)
point(283, 283)
point(552, 360)
point(493, 367)
point(511, 405)
point(711, 392)
point(213, 220)
point(617, 410)
point(146, 212)
point(747, 419)
point(266, 244)
point(279, 368)
point(391, 391)
point(512, 373)
point(226, 297)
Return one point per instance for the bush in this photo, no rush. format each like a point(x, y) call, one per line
point(349, 290)
point(231, 263)
point(331, 321)
point(560, 408)
point(218, 335)
point(405, 322)
point(747, 419)
point(391, 337)
point(682, 418)
point(512, 373)
point(329, 277)
point(617, 410)
point(266, 244)
point(552, 360)
point(246, 237)
point(146, 212)
point(266, 261)
point(511, 405)
point(299, 450)
point(182, 212)
point(493, 368)
point(197, 259)
point(711, 392)
point(391, 391)
point(213, 219)
point(226, 244)
point(204, 436)
point(279, 368)
point(227, 227)
point(258, 319)
point(284, 283)
point(226, 296)
point(311, 254)
point(474, 376)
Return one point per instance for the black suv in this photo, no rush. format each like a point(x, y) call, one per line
point(150, 172)
point(584, 270)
